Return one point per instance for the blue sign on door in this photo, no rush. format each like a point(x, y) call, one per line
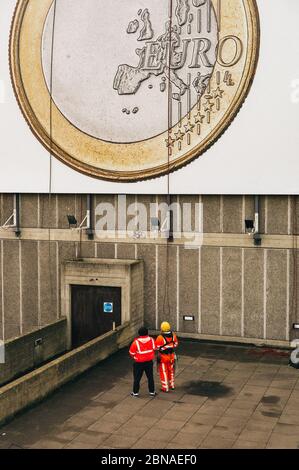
point(108, 307)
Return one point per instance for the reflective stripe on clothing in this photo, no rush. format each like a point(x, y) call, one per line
point(166, 346)
point(145, 352)
point(143, 349)
point(163, 376)
point(138, 342)
point(148, 350)
point(166, 375)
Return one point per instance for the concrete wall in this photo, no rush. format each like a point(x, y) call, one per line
point(231, 287)
point(23, 354)
point(39, 383)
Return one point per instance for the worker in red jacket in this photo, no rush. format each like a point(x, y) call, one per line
point(142, 350)
point(166, 343)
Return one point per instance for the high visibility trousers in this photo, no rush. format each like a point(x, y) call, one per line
point(166, 370)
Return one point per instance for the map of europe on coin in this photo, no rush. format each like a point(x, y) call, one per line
point(139, 88)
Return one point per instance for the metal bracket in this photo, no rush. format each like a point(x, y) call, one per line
point(12, 217)
point(13, 220)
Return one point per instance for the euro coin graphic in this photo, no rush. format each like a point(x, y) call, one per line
point(133, 89)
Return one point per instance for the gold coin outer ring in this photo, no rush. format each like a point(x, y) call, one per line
point(96, 149)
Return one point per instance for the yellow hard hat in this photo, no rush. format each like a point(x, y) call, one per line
point(165, 326)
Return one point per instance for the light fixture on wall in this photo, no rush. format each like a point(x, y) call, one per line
point(13, 221)
point(249, 226)
point(73, 223)
point(251, 230)
point(86, 223)
point(252, 227)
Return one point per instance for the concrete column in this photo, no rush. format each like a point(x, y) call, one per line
point(210, 294)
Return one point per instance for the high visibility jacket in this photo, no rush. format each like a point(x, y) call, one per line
point(143, 349)
point(166, 345)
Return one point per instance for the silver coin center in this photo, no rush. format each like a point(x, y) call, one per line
point(111, 63)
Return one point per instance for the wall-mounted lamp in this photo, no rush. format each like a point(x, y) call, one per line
point(252, 227)
point(13, 221)
point(86, 223)
point(73, 223)
point(249, 226)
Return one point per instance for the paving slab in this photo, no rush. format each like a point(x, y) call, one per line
point(188, 439)
point(217, 443)
point(224, 432)
point(144, 443)
point(282, 441)
point(226, 397)
point(255, 436)
point(241, 444)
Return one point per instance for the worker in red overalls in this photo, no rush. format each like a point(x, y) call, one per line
point(142, 350)
point(166, 343)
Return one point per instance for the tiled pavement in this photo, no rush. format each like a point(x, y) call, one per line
point(226, 397)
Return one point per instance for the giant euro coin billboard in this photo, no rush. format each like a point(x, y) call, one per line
point(138, 91)
point(123, 94)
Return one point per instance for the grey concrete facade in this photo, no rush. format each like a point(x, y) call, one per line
point(234, 289)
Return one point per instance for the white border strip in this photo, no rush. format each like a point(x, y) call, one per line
point(265, 292)
point(38, 286)
point(289, 215)
point(57, 280)
point(243, 214)
point(288, 297)
point(243, 295)
point(2, 289)
point(199, 291)
point(221, 214)
point(178, 288)
point(221, 293)
point(157, 285)
point(21, 293)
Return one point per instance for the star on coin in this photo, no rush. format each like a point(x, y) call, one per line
point(199, 118)
point(170, 141)
point(208, 106)
point(179, 135)
point(218, 93)
point(189, 127)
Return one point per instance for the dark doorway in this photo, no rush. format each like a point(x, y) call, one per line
point(94, 309)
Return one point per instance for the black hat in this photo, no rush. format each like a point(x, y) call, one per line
point(143, 331)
